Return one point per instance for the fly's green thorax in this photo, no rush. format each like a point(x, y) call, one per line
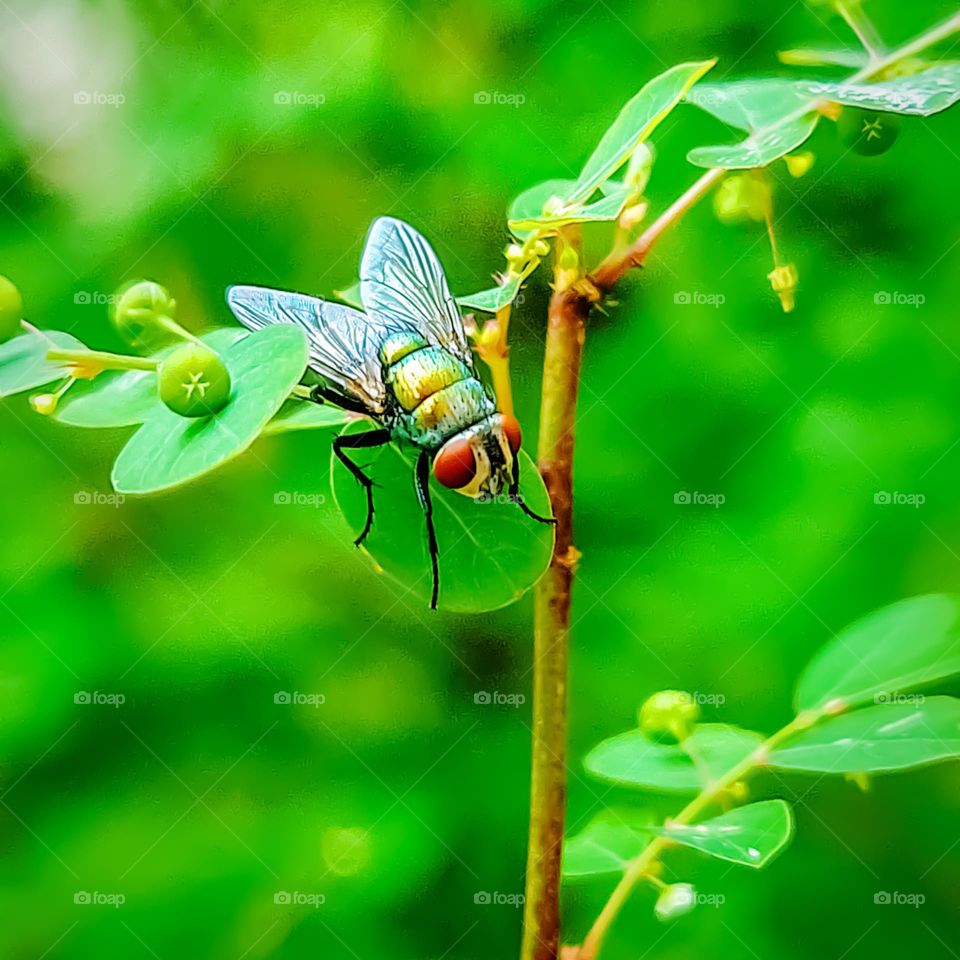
point(436, 393)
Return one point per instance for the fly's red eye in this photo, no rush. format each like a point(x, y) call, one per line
point(512, 429)
point(455, 465)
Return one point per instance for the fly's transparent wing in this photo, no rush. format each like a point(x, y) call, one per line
point(344, 343)
point(401, 280)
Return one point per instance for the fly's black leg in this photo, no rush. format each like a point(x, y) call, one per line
point(514, 493)
point(423, 495)
point(323, 394)
point(358, 441)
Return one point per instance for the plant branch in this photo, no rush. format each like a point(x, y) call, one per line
point(713, 793)
point(561, 378)
point(619, 262)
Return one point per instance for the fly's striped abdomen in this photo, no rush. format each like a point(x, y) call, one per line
point(436, 392)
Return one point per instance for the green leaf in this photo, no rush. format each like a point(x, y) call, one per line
point(350, 296)
point(124, 398)
point(825, 57)
point(530, 204)
point(635, 122)
point(607, 844)
point(749, 105)
point(758, 149)
point(633, 760)
point(766, 109)
point(892, 736)
point(490, 553)
point(114, 399)
point(752, 835)
point(607, 208)
point(298, 414)
point(900, 647)
point(920, 94)
point(169, 450)
point(24, 364)
point(494, 299)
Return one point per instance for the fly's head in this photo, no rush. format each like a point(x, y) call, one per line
point(479, 462)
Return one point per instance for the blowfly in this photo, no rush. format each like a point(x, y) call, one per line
point(405, 364)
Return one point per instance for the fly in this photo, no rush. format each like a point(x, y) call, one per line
point(405, 364)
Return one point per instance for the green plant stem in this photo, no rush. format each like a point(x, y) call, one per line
point(548, 785)
point(640, 866)
point(99, 358)
point(862, 26)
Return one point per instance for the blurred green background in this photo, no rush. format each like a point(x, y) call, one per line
point(148, 139)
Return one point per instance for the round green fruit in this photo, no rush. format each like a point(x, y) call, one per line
point(11, 309)
point(669, 715)
point(143, 311)
point(868, 134)
point(193, 381)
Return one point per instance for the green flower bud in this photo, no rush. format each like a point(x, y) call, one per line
point(669, 715)
point(639, 167)
point(193, 381)
point(44, 403)
point(741, 197)
point(11, 309)
point(868, 134)
point(675, 900)
point(143, 312)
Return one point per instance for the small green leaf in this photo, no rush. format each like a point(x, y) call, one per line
point(490, 553)
point(752, 835)
point(891, 736)
point(494, 299)
point(825, 57)
point(298, 414)
point(758, 149)
point(24, 364)
point(633, 760)
point(607, 208)
point(124, 398)
point(350, 296)
point(749, 105)
point(919, 94)
point(169, 450)
point(530, 204)
point(900, 647)
point(635, 122)
point(766, 109)
point(607, 844)
point(113, 399)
